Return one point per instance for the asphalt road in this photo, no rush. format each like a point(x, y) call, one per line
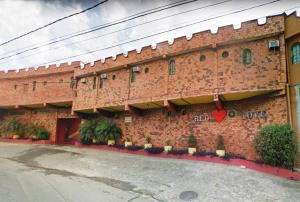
point(55, 173)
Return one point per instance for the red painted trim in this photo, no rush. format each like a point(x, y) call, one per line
point(27, 141)
point(284, 173)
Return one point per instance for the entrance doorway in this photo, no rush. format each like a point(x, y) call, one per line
point(67, 130)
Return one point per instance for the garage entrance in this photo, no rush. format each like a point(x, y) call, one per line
point(67, 130)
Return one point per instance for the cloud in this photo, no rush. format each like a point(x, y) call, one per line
point(18, 17)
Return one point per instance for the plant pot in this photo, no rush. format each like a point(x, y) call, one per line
point(111, 142)
point(11, 135)
point(220, 152)
point(15, 137)
point(127, 143)
point(167, 148)
point(192, 150)
point(146, 146)
point(94, 141)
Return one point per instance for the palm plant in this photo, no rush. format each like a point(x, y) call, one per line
point(86, 131)
point(107, 130)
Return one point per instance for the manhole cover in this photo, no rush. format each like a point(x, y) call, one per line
point(188, 195)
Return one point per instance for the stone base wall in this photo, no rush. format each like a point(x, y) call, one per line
point(238, 131)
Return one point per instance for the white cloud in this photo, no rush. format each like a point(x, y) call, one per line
point(18, 17)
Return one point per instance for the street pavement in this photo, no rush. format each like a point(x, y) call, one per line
point(63, 173)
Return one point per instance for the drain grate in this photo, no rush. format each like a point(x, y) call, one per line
point(188, 195)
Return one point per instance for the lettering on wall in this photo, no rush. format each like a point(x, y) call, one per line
point(202, 117)
point(233, 113)
point(255, 114)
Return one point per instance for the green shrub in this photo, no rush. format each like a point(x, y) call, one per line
point(192, 141)
point(99, 132)
point(11, 125)
point(107, 130)
point(42, 134)
point(220, 143)
point(148, 140)
point(277, 145)
point(86, 131)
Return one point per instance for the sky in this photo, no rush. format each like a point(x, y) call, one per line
point(21, 16)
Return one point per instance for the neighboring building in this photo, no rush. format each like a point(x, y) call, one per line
point(292, 36)
point(230, 83)
point(42, 95)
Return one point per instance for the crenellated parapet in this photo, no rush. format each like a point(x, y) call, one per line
point(40, 71)
point(246, 31)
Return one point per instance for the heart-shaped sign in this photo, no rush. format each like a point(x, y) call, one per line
point(219, 115)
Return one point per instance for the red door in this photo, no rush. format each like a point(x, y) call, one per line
point(67, 130)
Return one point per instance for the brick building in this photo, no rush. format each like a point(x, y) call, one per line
point(230, 83)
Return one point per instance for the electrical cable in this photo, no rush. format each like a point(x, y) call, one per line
point(113, 32)
point(144, 37)
point(90, 30)
point(51, 23)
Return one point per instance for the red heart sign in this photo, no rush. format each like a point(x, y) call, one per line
point(219, 115)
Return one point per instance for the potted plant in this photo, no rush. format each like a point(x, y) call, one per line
point(30, 131)
point(99, 132)
point(12, 127)
point(168, 146)
point(148, 143)
point(192, 142)
point(42, 134)
point(108, 131)
point(220, 151)
point(128, 142)
point(86, 131)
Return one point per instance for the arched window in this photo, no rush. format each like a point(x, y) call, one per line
point(172, 67)
point(247, 56)
point(296, 53)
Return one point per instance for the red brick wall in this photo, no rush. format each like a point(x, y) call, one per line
point(46, 118)
point(53, 91)
point(204, 39)
point(192, 78)
point(238, 133)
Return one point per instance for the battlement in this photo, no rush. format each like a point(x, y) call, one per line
point(40, 71)
point(226, 35)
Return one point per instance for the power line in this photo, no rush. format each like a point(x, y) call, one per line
point(116, 31)
point(91, 28)
point(142, 14)
point(55, 21)
point(141, 38)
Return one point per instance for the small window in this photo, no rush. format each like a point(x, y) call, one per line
point(296, 53)
point(94, 82)
point(33, 86)
point(45, 83)
point(16, 86)
point(72, 82)
point(146, 70)
point(113, 77)
point(101, 85)
point(172, 67)
point(133, 75)
point(202, 58)
point(25, 87)
point(61, 81)
point(225, 54)
point(247, 56)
